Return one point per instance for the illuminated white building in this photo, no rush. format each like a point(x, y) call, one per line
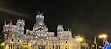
point(39, 37)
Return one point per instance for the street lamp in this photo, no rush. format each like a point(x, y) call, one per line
point(104, 38)
point(100, 47)
point(80, 39)
point(92, 46)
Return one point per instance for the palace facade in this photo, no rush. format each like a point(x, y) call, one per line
point(39, 37)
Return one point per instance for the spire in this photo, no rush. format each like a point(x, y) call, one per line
point(19, 19)
point(11, 22)
point(40, 13)
point(60, 28)
point(5, 23)
point(68, 29)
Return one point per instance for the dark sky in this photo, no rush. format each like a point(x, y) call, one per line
point(89, 18)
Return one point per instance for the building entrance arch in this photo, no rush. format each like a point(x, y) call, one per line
point(41, 47)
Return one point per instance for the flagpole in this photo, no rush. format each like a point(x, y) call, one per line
point(85, 46)
point(105, 43)
point(88, 45)
point(96, 46)
point(95, 42)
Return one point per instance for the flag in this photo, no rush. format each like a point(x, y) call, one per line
point(103, 47)
point(107, 44)
point(108, 47)
point(95, 40)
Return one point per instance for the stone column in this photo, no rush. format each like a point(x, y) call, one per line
point(36, 46)
point(58, 46)
point(10, 46)
point(7, 46)
point(29, 45)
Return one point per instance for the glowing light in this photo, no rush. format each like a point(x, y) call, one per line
point(100, 47)
point(2, 44)
point(19, 32)
point(83, 44)
point(44, 31)
point(79, 39)
point(92, 45)
point(20, 27)
point(29, 44)
point(25, 46)
point(40, 16)
point(103, 36)
point(100, 36)
point(7, 46)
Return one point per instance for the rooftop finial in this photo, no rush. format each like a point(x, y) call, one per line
point(11, 22)
point(68, 29)
point(40, 13)
point(5, 23)
point(19, 19)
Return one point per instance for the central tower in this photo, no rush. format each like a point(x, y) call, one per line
point(40, 25)
point(40, 19)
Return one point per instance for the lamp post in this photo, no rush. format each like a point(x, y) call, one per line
point(80, 39)
point(100, 47)
point(92, 46)
point(104, 38)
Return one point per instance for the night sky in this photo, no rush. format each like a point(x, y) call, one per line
point(87, 18)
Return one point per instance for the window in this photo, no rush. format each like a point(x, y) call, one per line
point(66, 42)
point(18, 40)
point(12, 40)
point(40, 29)
point(59, 47)
point(41, 34)
point(53, 46)
point(38, 34)
point(32, 33)
point(65, 38)
point(20, 27)
point(51, 35)
point(9, 46)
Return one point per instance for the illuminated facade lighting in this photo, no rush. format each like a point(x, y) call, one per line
point(39, 37)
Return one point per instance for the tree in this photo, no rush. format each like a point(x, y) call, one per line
point(1, 40)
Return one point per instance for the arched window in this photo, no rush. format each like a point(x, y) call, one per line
point(53, 46)
point(12, 40)
point(40, 29)
point(18, 40)
point(66, 42)
point(59, 46)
